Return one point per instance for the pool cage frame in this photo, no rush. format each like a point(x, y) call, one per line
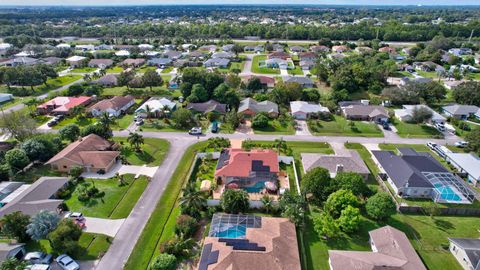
point(237, 223)
point(449, 179)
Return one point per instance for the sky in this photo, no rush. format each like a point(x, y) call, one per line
point(197, 2)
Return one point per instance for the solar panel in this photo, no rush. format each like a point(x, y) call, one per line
point(257, 166)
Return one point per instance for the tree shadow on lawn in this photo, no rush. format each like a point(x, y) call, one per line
point(142, 156)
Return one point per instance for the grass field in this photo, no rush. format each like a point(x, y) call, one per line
point(91, 246)
point(115, 69)
point(167, 70)
point(275, 127)
point(83, 70)
point(407, 130)
point(8, 104)
point(296, 71)
point(58, 82)
point(156, 91)
point(35, 172)
point(233, 65)
point(81, 122)
point(117, 202)
point(431, 74)
point(153, 154)
point(341, 127)
point(256, 69)
point(123, 122)
point(160, 225)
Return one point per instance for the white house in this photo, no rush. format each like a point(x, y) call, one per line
point(301, 109)
point(122, 53)
point(466, 163)
point(75, 61)
point(4, 47)
point(466, 251)
point(115, 106)
point(406, 113)
point(155, 106)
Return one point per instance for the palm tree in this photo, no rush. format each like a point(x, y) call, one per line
point(148, 111)
point(192, 200)
point(267, 202)
point(135, 140)
point(105, 120)
point(281, 145)
point(121, 180)
point(87, 77)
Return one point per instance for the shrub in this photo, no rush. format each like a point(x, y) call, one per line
point(260, 121)
point(380, 206)
point(186, 226)
point(235, 201)
point(17, 159)
point(164, 262)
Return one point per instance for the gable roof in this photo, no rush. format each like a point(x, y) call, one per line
point(36, 197)
point(303, 106)
point(90, 150)
point(208, 106)
point(365, 110)
point(263, 79)
point(108, 79)
point(62, 104)
point(408, 110)
point(470, 163)
point(239, 163)
point(255, 106)
point(156, 104)
point(298, 79)
point(115, 103)
point(393, 251)
point(107, 62)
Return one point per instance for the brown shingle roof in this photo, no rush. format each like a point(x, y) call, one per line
point(393, 251)
point(90, 150)
point(277, 235)
point(115, 103)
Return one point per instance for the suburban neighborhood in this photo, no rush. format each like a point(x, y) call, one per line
point(240, 137)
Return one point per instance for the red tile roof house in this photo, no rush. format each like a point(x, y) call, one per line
point(63, 105)
point(248, 170)
point(93, 153)
point(114, 106)
point(266, 82)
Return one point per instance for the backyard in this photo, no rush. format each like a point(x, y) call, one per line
point(153, 151)
point(83, 70)
point(296, 71)
point(115, 69)
point(264, 70)
point(339, 126)
point(56, 83)
point(428, 236)
point(117, 202)
point(35, 172)
point(81, 121)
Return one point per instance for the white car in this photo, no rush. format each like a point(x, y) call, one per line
point(461, 144)
point(74, 215)
point(67, 263)
point(431, 145)
point(195, 131)
point(38, 257)
point(38, 267)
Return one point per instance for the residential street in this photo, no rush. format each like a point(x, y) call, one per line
point(127, 236)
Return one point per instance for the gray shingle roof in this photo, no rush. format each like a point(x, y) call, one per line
point(352, 162)
point(471, 247)
point(255, 106)
point(458, 109)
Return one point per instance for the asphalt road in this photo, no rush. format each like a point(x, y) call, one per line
point(127, 236)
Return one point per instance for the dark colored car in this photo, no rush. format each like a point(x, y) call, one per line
point(214, 127)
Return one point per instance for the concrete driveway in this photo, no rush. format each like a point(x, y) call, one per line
point(104, 226)
point(302, 128)
point(123, 169)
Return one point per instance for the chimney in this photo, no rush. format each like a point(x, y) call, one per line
point(339, 168)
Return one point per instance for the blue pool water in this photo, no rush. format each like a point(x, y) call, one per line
point(259, 186)
point(238, 232)
point(446, 193)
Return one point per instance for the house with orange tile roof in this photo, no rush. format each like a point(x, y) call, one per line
point(93, 153)
point(252, 171)
point(63, 105)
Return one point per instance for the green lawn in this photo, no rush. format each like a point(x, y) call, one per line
point(156, 91)
point(296, 71)
point(83, 70)
point(275, 127)
point(145, 69)
point(123, 122)
point(160, 225)
point(341, 127)
point(431, 74)
point(81, 122)
point(428, 236)
point(402, 74)
point(161, 125)
point(153, 154)
point(116, 196)
point(8, 104)
point(473, 76)
point(233, 65)
point(115, 69)
point(367, 158)
point(167, 70)
point(407, 130)
point(91, 246)
point(58, 82)
point(256, 69)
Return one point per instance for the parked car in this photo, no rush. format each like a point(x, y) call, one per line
point(195, 131)
point(440, 127)
point(52, 123)
point(431, 145)
point(38, 257)
point(74, 215)
point(139, 122)
point(38, 267)
point(67, 263)
point(214, 127)
point(386, 126)
point(461, 144)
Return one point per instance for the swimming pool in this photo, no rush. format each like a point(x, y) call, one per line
point(234, 231)
point(446, 193)
point(259, 186)
point(232, 226)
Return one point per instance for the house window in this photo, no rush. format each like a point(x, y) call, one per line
point(64, 166)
